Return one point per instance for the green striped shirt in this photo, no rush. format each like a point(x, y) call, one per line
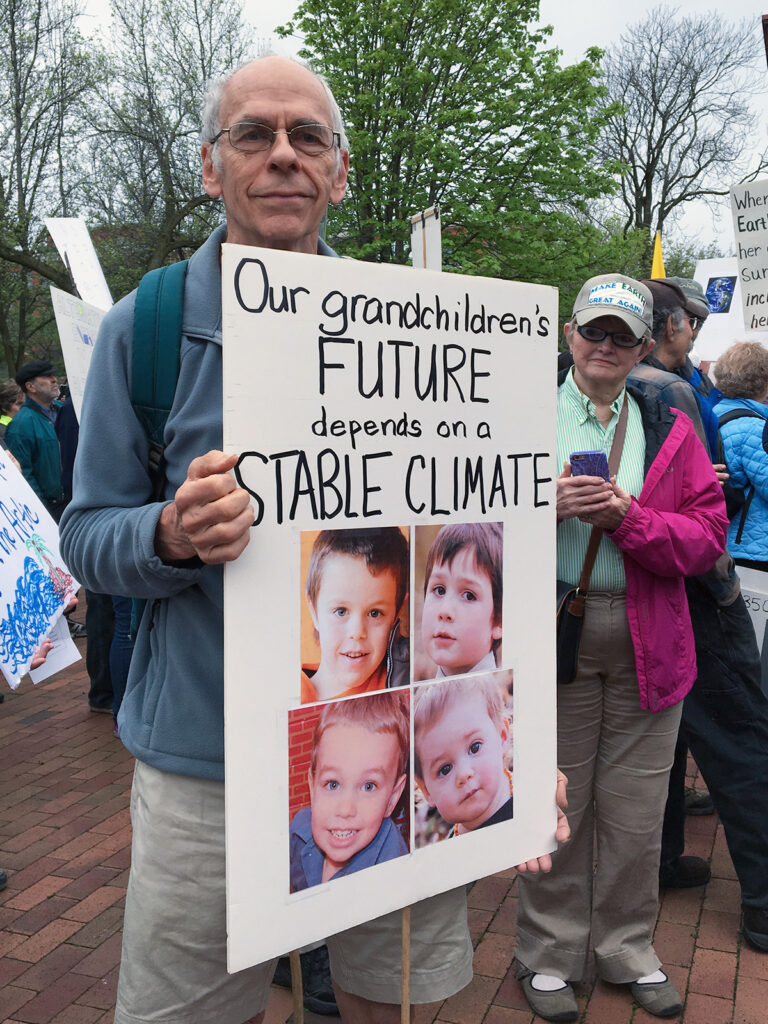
point(578, 429)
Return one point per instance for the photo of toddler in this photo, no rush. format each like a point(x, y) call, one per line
point(462, 606)
point(462, 754)
point(357, 773)
point(356, 583)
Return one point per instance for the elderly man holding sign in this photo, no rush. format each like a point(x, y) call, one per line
point(274, 150)
point(654, 517)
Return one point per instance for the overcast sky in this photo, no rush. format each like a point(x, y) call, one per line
point(577, 25)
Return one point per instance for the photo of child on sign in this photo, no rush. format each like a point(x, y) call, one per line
point(351, 783)
point(462, 737)
point(354, 614)
point(460, 570)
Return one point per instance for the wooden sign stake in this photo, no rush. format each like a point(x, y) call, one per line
point(297, 988)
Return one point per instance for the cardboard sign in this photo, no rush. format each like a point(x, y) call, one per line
point(35, 584)
point(78, 325)
point(426, 240)
point(754, 590)
point(390, 624)
point(725, 324)
point(749, 206)
point(71, 238)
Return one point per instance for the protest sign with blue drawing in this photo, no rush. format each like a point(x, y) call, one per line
point(35, 584)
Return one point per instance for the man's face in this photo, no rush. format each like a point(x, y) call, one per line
point(462, 762)
point(457, 624)
point(353, 615)
point(354, 786)
point(677, 342)
point(276, 198)
point(602, 366)
point(44, 389)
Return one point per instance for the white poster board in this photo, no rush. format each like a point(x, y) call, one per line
point(35, 584)
point(754, 589)
point(71, 238)
point(63, 654)
point(78, 325)
point(749, 206)
point(426, 240)
point(725, 324)
point(384, 398)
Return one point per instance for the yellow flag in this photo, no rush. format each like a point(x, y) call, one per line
point(657, 267)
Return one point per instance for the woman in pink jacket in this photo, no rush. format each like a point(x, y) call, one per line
point(663, 518)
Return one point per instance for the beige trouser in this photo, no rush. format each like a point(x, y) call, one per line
point(617, 758)
point(174, 967)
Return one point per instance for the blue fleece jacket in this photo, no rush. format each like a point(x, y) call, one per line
point(172, 716)
point(747, 463)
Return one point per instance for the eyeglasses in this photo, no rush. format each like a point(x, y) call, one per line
point(251, 137)
point(692, 320)
point(619, 339)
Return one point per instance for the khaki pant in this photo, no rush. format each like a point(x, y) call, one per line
point(617, 758)
point(174, 967)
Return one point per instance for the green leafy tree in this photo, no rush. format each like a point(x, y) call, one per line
point(45, 75)
point(459, 102)
point(144, 186)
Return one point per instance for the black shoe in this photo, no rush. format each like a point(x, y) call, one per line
point(3, 879)
point(698, 803)
point(754, 925)
point(101, 710)
point(77, 630)
point(315, 979)
point(2, 696)
point(684, 873)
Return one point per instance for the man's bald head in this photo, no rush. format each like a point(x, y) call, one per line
point(214, 96)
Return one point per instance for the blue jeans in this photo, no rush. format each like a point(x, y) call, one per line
point(725, 724)
point(121, 650)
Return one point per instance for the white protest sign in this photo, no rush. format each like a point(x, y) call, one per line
point(426, 240)
point(754, 589)
point(71, 238)
point(749, 206)
point(35, 584)
point(64, 653)
point(725, 324)
point(78, 324)
point(371, 406)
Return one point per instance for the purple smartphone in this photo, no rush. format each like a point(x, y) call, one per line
point(590, 464)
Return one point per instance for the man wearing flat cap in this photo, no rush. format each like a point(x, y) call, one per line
point(31, 434)
point(679, 310)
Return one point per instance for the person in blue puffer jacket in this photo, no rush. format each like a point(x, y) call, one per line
point(742, 377)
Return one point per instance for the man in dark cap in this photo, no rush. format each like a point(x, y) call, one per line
point(31, 434)
point(680, 309)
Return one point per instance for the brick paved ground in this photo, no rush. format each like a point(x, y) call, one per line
point(65, 842)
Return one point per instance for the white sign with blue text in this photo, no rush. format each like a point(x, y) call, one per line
point(35, 584)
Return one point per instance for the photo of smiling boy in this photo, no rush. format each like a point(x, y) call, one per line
point(356, 583)
point(357, 773)
point(462, 606)
point(462, 745)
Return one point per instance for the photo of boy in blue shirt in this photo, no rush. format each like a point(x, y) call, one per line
point(357, 774)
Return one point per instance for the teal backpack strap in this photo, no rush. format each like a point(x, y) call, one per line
point(156, 347)
point(157, 320)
